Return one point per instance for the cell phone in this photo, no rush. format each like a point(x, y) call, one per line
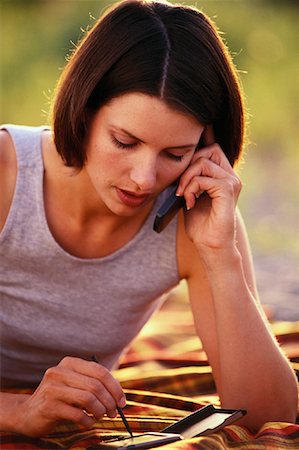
point(168, 210)
point(140, 441)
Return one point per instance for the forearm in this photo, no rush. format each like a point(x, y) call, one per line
point(252, 371)
point(9, 408)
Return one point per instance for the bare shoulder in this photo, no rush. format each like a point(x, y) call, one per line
point(8, 174)
point(7, 151)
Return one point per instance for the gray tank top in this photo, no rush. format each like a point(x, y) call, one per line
point(54, 304)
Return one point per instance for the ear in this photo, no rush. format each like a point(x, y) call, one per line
point(208, 135)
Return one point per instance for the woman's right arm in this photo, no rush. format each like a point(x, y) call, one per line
point(75, 390)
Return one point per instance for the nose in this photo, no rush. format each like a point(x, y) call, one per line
point(144, 172)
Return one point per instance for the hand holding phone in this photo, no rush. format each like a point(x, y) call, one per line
point(173, 203)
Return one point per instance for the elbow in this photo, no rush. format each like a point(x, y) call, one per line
point(290, 412)
point(287, 412)
point(282, 407)
point(293, 406)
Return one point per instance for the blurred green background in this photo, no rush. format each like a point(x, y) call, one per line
point(263, 36)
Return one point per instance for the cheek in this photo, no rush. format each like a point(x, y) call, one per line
point(102, 161)
point(171, 171)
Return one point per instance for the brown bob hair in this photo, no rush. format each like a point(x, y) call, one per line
point(170, 51)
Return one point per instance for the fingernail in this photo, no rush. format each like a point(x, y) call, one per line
point(179, 192)
point(122, 402)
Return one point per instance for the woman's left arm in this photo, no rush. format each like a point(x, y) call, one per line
point(249, 368)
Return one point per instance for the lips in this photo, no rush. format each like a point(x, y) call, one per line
point(131, 199)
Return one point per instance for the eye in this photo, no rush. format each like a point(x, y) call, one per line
point(120, 144)
point(177, 158)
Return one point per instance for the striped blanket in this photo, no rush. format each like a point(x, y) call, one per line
point(165, 376)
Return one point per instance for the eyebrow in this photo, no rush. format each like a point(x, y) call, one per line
point(175, 147)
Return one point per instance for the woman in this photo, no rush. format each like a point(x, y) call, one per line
point(149, 98)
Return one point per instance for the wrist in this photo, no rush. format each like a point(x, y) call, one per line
point(10, 411)
point(223, 258)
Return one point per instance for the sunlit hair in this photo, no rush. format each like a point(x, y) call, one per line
point(169, 51)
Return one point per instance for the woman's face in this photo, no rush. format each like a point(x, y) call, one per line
point(136, 147)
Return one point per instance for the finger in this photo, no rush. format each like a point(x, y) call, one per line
point(99, 372)
point(89, 402)
point(202, 184)
point(96, 405)
point(85, 383)
point(109, 389)
point(81, 398)
point(215, 154)
point(228, 188)
point(193, 193)
point(202, 167)
point(76, 415)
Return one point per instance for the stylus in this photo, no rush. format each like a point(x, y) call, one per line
point(121, 413)
point(128, 428)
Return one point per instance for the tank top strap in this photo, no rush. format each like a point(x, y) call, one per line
point(27, 143)
point(28, 194)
